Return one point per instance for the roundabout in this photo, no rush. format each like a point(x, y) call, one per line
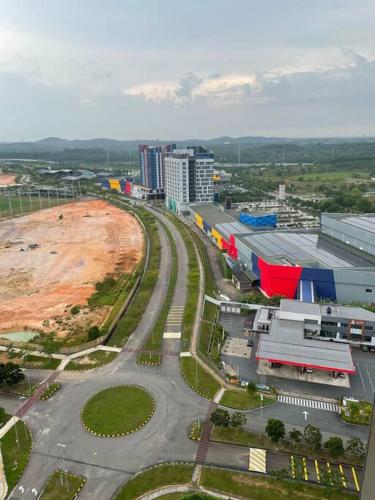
point(118, 411)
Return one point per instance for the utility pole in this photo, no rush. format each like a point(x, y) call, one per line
point(63, 446)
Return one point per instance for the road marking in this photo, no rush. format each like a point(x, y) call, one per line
point(355, 479)
point(257, 460)
point(293, 466)
point(369, 377)
point(317, 471)
point(308, 403)
point(342, 475)
point(305, 475)
point(360, 374)
point(329, 471)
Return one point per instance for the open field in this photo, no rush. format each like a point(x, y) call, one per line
point(78, 245)
point(18, 205)
point(7, 180)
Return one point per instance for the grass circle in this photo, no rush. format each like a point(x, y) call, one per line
point(118, 411)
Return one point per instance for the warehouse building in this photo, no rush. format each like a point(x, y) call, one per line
point(303, 265)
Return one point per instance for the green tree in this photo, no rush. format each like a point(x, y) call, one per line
point(335, 446)
point(220, 417)
point(93, 333)
point(296, 436)
point(312, 437)
point(238, 420)
point(50, 344)
point(11, 374)
point(251, 388)
point(275, 429)
point(331, 480)
point(355, 447)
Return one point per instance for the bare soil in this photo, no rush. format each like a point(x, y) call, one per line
point(78, 245)
point(7, 180)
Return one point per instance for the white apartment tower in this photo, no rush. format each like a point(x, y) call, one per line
point(188, 177)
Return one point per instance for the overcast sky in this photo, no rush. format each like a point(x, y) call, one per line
point(180, 69)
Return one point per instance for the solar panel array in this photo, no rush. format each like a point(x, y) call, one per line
point(295, 247)
point(365, 223)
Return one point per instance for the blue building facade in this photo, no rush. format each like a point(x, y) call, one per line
point(151, 165)
point(258, 220)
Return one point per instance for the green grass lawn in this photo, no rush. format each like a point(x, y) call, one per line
point(241, 400)
point(200, 380)
point(16, 457)
point(45, 363)
point(61, 485)
point(50, 391)
point(118, 410)
point(154, 341)
point(154, 478)
point(257, 487)
point(91, 361)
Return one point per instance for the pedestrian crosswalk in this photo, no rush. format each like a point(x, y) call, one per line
point(257, 460)
point(173, 325)
point(308, 403)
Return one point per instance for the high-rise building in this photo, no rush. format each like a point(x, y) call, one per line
point(188, 177)
point(151, 165)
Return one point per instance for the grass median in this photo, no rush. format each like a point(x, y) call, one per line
point(118, 410)
point(242, 400)
point(154, 341)
point(16, 455)
point(152, 479)
point(128, 323)
point(91, 361)
point(62, 485)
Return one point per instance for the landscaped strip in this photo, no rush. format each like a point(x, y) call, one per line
point(246, 485)
point(128, 323)
point(242, 400)
point(62, 485)
point(118, 411)
point(154, 341)
point(196, 377)
point(155, 478)
point(91, 361)
point(16, 456)
point(50, 391)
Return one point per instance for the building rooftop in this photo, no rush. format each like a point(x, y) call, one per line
point(292, 248)
point(336, 310)
point(286, 344)
point(211, 214)
point(363, 221)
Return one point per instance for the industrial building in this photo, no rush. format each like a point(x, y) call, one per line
point(326, 322)
point(188, 178)
point(305, 264)
point(151, 165)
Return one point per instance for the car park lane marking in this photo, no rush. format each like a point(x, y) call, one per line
point(305, 474)
point(293, 466)
point(369, 377)
point(308, 403)
point(355, 479)
point(317, 471)
point(360, 375)
point(342, 476)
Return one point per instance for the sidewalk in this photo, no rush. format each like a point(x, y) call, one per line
point(3, 482)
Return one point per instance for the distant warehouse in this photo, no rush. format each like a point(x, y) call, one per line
point(301, 265)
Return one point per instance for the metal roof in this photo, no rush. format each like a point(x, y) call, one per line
point(286, 344)
point(365, 222)
point(294, 248)
point(235, 228)
point(211, 214)
point(296, 306)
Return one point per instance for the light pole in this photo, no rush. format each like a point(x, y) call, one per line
point(24, 356)
point(63, 446)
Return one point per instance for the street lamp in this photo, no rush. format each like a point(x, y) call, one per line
point(63, 446)
point(24, 356)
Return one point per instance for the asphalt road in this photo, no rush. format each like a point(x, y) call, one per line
point(108, 462)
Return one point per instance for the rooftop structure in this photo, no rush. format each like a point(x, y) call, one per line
point(286, 344)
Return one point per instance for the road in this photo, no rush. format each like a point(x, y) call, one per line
point(105, 462)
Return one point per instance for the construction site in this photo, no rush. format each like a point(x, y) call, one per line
point(50, 261)
point(7, 180)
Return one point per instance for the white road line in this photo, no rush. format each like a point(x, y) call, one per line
point(369, 377)
point(360, 374)
point(309, 403)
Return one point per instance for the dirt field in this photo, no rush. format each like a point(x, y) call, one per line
point(7, 180)
point(91, 240)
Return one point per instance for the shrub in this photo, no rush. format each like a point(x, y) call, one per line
point(335, 446)
point(275, 429)
point(93, 333)
point(75, 310)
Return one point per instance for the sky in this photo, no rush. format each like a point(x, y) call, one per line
point(179, 69)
